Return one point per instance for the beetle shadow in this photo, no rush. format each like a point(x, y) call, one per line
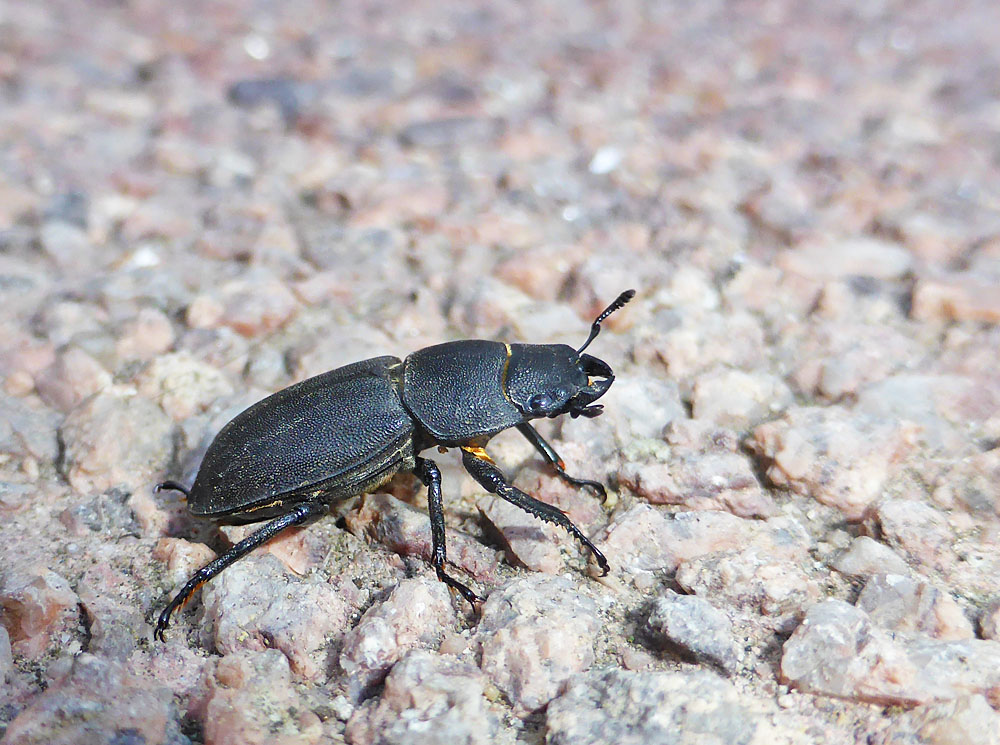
point(501, 539)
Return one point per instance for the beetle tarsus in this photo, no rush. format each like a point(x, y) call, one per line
point(595, 486)
point(492, 479)
point(470, 597)
point(549, 453)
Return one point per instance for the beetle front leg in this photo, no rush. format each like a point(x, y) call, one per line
point(485, 471)
point(549, 453)
point(428, 472)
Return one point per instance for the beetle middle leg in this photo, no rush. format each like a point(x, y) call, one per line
point(298, 515)
point(549, 453)
point(428, 472)
point(491, 478)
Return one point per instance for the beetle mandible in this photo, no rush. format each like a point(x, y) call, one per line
point(348, 431)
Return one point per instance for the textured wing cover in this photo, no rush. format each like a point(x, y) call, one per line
point(336, 433)
point(455, 390)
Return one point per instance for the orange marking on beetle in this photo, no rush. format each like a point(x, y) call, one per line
point(187, 598)
point(478, 452)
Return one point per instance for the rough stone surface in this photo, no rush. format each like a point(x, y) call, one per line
point(969, 720)
point(838, 356)
point(838, 459)
point(635, 708)
point(301, 549)
point(699, 340)
point(115, 437)
point(199, 208)
point(251, 701)
point(753, 579)
point(645, 539)
point(36, 606)
point(972, 484)
point(528, 542)
point(427, 698)
point(865, 257)
point(956, 296)
point(694, 627)
point(147, 335)
point(643, 407)
point(256, 605)
point(27, 437)
point(182, 385)
point(989, 622)
point(917, 530)
point(6, 655)
point(865, 556)
point(738, 399)
point(111, 621)
point(705, 481)
point(183, 558)
point(249, 306)
point(901, 603)
point(942, 406)
point(838, 651)
point(534, 634)
point(71, 378)
point(98, 701)
point(412, 616)
point(407, 531)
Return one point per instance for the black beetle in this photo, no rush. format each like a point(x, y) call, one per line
point(348, 431)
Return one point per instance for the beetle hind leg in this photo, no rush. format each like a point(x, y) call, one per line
point(172, 486)
point(429, 473)
point(300, 514)
point(493, 480)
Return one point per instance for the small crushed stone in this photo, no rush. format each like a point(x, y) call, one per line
point(198, 208)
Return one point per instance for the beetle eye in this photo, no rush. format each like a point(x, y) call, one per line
point(540, 402)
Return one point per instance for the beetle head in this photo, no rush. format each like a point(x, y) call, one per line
point(554, 379)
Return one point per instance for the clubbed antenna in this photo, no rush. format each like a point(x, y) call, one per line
point(595, 329)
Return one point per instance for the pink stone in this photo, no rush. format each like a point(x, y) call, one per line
point(37, 605)
point(901, 603)
point(255, 604)
point(838, 458)
point(956, 297)
point(252, 702)
point(183, 557)
point(414, 615)
point(644, 539)
point(535, 633)
point(427, 698)
point(94, 699)
point(73, 376)
point(838, 651)
point(407, 530)
point(114, 438)
point(528, 541)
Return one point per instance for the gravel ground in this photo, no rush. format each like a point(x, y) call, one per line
point(201, 203)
